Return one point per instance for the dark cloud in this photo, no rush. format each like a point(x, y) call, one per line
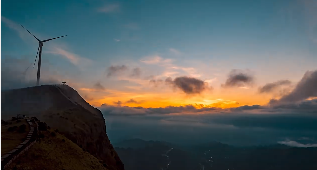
point(132, 101)
point(239, 78)
point(156, 83)
point(308, 106)
point(246, 107)
point(136, 72)
point(270, 87)
point(169, 80)
point(188, 85)
point(116, 70)
point(98, 86)
point(117, 103)
point(306, 88)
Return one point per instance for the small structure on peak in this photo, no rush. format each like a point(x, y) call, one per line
point(64, 82)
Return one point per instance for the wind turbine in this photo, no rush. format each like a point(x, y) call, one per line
point(39, 53)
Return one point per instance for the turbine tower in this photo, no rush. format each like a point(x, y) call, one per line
point(39, 53)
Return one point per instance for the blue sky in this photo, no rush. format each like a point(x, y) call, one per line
point(203, 39)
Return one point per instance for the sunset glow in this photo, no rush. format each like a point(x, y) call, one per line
point(140, 62)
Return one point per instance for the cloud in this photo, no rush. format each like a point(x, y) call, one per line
point(190, 71)
point(156, 60)
point(121, 111)
point(271, 87)
point(297, 144)
point(156, 83)
point(262, 113)
point(136, 72)
point(239, 117)
point(246, 107)
point(169, 80)
point(174, 51)
point(126, 110)
point(117, 40)
point(186, 123)
point(118, 103)
point(23, 34)
point(188, 85)
point(116, 70)
point(192, 129)
point(71, 57)
point(110, 8)
point(305, 89)
point(239, 78)
point(53, 47)
point(213, 122)
point(170, 69)
point(132, 101)
point(98, 86)
point(307, 106)
point(211, 80)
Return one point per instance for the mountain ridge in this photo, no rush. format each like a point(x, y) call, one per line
point(62, 108)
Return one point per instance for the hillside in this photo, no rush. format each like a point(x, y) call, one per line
point(55, 151)
point(62, 108)
point(12, 134)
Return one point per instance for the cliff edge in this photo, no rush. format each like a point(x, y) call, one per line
point(62, 108)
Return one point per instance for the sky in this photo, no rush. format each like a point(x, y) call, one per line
point(126, 55)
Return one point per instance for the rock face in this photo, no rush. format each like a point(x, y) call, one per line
point(62, 108)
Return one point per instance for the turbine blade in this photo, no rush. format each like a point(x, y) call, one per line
point(37, 53)
point(53, 38)
point(30, 33)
